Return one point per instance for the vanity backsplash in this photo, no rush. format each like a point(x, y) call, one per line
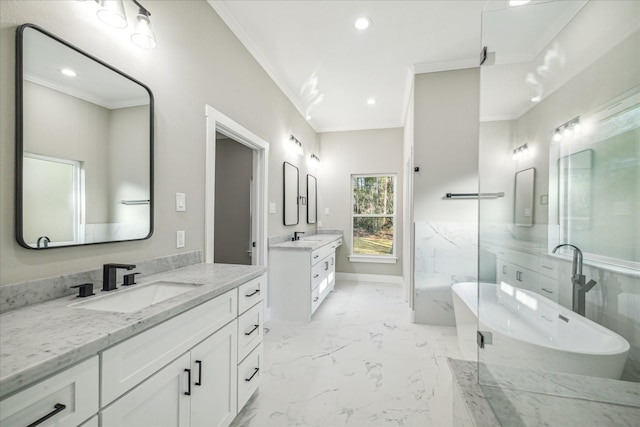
point(19, 295)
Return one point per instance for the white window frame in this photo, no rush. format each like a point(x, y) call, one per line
point(381, 259)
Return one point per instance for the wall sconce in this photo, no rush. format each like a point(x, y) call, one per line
point(112, 13)
point(572, 127)
point(520, 152)
point(315, 160)
point(297, 145)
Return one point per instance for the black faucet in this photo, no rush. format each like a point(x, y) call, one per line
point(580, 288)
point(109, 275)
point(296, 235)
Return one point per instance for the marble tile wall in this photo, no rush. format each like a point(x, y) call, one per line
point(18, 295)
point(445, 253)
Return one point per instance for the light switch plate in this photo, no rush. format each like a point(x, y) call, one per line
point(326, 211)
point(181, 202)
point(272, 208)
point(180, 238)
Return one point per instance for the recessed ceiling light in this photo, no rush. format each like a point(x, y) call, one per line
point(68, 72)
point(518, 2)
point(371, 101)
point(363, 23)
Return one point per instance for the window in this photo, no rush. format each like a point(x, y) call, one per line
point(373, 214)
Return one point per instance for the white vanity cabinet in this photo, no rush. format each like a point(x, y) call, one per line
point(536, 274)
point(68, 398)
point(300, 279)
point(185, 371)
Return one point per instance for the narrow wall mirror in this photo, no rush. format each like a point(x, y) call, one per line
point(312, 199)
point(523, 200)
point(84, 147)
point(290, 191)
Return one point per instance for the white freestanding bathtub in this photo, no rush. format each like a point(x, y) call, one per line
point(529, 330)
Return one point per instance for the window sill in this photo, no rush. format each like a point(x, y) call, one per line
point(380, 259)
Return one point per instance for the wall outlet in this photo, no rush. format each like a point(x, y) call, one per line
point(180, 238)
point(320, 224)
point(272, 208)
point(181, 202)
point(326, 211)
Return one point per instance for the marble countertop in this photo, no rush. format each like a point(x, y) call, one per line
point(308, 243)
point(40, 339)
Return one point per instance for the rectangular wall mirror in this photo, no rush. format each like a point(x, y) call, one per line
point(84, 147)
point(312, 199)
point(523, 200)
point(291, 193)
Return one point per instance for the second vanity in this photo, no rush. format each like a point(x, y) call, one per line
point(301, 275)
point(190, 360)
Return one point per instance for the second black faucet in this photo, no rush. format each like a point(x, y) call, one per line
point(109, 275)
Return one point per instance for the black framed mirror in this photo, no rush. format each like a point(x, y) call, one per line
point(291, 215)
point(84, 147)
point(312, 199)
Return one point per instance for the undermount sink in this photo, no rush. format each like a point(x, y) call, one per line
point(137, 298)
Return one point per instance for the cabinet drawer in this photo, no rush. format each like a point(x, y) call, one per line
point(250, 293)
point(72, 395)
point(337, 243)
point(317, 274)
point(321, 253)
point(249, 375)
point(130, 362)
point(250, 331)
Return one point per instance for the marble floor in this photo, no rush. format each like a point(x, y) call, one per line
point(359, 362)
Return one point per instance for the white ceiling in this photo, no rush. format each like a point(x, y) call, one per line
point(328, 69)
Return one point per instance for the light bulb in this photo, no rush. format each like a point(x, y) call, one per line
point(371, 101)
point(144, 36)
point(518, 2)
point(567, 132)
point(111, 12)
point(68, 72)
point(362, 23)
point(557, 136)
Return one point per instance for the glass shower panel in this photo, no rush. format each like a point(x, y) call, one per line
point(559, 279)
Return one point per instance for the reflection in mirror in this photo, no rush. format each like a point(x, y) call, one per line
point(312, 201)
point(523, 198)
point(83, 147)
point(600, 166)
point(291, 192)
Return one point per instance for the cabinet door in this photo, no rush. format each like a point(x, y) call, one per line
point(157, 402)
point(213, 379)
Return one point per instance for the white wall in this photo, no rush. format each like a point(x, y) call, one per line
point(358, 152)
point(198, 61)
point(445, 142)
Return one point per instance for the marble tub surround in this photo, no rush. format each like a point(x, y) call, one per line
point(359, 362)
point(23, 294)
point(445, 253)
point(40, 339)
point(491, 406)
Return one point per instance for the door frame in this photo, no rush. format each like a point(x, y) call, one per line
point(218, 122)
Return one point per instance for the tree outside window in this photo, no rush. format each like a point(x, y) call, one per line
point(373, 214)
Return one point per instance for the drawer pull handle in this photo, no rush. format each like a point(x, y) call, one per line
point(315, 256)
point(58, 407)
point(504, 269)
point(255, 328)
point(257, 291)
point(188, 392)
point(199, 382)
point(519, 276)
point(547, 267)
point(315, 276)
point(252, 375)
point(547, 290)
point(315, 299)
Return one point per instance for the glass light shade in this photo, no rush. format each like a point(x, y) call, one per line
point(144, 36)
point(111, 12)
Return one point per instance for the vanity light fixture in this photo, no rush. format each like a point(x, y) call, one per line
point(520, 151)
point(572, 127)
point(315, 160)
point(297, 145)
point(112, 13)
point(362, 23)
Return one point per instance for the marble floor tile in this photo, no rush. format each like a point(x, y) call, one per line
point(359, 362)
